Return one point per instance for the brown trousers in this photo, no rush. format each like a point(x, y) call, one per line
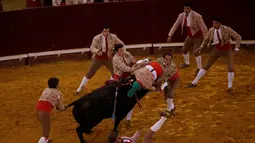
point(172, 85)
point(148, 137)
point(215, 54)
point(44, 117)
point(96, 64)
point(192, 42)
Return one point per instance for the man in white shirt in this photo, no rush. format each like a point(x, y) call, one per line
point(102, 48)
point(194, 30)
point(219, 36)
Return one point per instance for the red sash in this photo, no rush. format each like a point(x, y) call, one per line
point(197, 34)
point(156, 66)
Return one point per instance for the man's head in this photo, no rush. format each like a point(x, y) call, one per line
point(217, 22)
point(119, 49)
point(187, 7)
point(105, 31)
point(53, 82)
point(167, 58)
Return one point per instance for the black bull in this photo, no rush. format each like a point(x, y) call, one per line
point(93, 107)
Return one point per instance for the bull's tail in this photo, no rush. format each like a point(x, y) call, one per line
point(71, 104)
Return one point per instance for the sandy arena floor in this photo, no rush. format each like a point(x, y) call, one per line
point(205, 114)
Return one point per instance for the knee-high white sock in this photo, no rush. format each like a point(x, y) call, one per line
point(199, 61)
point(169, 104)
point(158, 125)
point(83, 82)
point(43, 140)
point(186, 58)
point(200, 74)
point(230, 79)
point(129, 115)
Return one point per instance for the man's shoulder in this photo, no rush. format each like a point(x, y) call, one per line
point(116, 57)
point(113, 35)
point(160, 60)
point(181, 14)
point(97, 36)
point(211, 29)
point(128, 54)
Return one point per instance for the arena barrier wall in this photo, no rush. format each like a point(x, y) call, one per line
point(69, 29)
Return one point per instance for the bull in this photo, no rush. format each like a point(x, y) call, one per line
point(104, 102)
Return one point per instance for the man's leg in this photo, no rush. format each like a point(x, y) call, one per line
point(95, 65)
point(46, 123)
point(230, 64)
point(185, 51)
point(109, 66)
point(212, 58)
point(150, 133)
point(135, 87)
point(136, 136)
point(169, 92)
point(196, 45)
point(128, 117)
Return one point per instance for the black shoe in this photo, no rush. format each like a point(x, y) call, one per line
point(184, 65)
point(191, 85)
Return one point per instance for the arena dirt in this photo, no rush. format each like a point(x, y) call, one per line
point(205, 114)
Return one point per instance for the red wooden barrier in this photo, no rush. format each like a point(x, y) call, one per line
point(136, 22)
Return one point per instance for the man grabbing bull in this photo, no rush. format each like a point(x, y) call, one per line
point(123, 65)
point(219, 36)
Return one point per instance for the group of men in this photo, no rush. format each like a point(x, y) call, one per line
point(198, 37)
point(151, 74)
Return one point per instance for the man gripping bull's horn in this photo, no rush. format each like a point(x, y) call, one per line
point(123, 65)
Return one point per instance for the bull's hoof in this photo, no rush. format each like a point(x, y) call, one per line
point(113, 136)
point(89, 132)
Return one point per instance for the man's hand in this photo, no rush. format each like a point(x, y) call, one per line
point(169, 39)
point(63, 109)
point(99, 53)
point(153, 88)
point(109, 55)
point(236, 51)
point(199, 50)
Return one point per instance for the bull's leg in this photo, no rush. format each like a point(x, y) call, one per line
point(94, 120)
point(115, 132)
point(79, 131)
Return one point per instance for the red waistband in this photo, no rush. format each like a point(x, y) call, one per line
point(173, 77)
point(224, 47)
point(197, 34)
point(44, 106)
point(103, 57)
point(124, 75)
